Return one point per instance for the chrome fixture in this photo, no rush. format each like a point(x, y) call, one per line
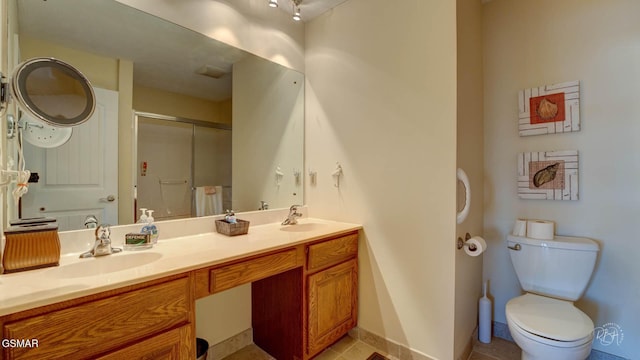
point(91, 222)
point(102, 246)
point(293, 215)
point(462, 243)
point(296, 10)
point(264, 205)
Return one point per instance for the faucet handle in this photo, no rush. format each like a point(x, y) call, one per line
point(294, 207)
point(103, 232)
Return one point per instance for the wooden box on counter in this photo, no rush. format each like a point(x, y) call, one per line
point(31, 244)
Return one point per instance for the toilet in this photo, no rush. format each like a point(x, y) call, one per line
point(554, 273)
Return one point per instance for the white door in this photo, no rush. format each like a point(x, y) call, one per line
point(79, 178)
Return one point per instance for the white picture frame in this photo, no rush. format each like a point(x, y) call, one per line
point(548, 175)
point(561, 114)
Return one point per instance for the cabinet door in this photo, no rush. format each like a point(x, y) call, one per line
point(332, 304)
point(169, 345)
point(96, 327)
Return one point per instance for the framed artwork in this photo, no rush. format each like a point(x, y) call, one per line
point(549, 109)
point(548, 175)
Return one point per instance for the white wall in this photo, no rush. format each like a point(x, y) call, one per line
point(470, 158)
point(381, 100)
point(533, 43)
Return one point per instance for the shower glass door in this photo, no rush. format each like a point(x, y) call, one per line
point(164, 173)
point(212, 170)
point(183, 167)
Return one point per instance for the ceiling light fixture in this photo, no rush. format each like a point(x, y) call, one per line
point(296, 10)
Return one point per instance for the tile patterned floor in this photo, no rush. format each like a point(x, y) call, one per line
point(498, 349)
point(351, 349)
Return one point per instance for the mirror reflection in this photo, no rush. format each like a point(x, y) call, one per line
point(237, 117)
point(53, 91)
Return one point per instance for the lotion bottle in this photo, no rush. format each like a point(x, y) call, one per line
point(151, 227)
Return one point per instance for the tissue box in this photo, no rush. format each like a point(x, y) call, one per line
point(31, 244)
point(239, 228)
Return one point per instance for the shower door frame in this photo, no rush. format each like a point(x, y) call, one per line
point(154, 116)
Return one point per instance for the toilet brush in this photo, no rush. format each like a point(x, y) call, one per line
point(484, 317)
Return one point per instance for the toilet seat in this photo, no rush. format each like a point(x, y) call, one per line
point(551, 321)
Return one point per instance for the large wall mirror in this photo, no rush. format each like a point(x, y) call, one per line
point(184, 125)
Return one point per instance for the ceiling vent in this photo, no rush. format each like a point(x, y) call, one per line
point(212, 71)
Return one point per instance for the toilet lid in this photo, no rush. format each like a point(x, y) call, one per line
point(550, 318)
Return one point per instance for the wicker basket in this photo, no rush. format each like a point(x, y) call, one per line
point(239, 228)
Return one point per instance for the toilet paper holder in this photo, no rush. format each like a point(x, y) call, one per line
point(463, 243)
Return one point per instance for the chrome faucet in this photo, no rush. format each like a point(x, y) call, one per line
point(91, 222)
point(102, 246)
point(293, 215)
point(264, 205)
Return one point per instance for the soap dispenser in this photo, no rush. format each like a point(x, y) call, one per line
point(150, 228)
point(143, 216)
point(230, 217)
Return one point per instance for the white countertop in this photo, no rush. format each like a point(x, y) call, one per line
point(77, 277)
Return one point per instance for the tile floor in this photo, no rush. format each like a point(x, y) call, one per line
point(350, 349)
point(498, 349)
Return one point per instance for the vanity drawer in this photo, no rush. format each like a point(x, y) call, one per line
point(332, 252)
point(251, 270)
point(92, 328)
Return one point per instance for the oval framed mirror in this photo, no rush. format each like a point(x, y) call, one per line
point(53, 91)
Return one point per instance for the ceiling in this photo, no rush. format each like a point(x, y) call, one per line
point(310, 9)
point(144, 39)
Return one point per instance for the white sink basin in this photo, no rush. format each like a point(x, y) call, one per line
point(302, 227)
point(103, 265)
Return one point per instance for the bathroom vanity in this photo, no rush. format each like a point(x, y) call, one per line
point(304, 295)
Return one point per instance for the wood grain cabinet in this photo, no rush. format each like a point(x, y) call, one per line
point(332, 291)
point(332, 304)
point(158, 315)
point(298, 313)
point(304, 298)
point(166, 346)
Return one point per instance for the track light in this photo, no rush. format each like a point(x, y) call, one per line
point(296, 9)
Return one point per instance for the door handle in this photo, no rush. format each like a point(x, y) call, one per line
point(109, 198)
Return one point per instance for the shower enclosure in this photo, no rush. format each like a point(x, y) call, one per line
point(183, 166)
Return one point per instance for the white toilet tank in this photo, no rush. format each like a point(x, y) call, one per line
point(559, 268)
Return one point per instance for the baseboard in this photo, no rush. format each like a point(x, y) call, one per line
point(390, 347)
point(469, 347)
point(229, 346)
point(501, 330)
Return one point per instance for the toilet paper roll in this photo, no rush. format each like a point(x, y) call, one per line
point(477, 243)
point(540, 229)
point(520, 228)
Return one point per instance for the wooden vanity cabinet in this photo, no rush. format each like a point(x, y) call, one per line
point(304, 298)
point(147, 321)
point(332, 291)
point(332, 304)
point(298, 313)
point(166, 346)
